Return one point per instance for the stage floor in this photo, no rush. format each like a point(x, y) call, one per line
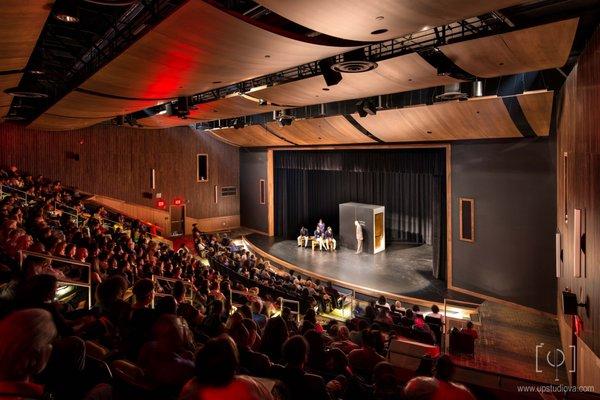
point(401, 269)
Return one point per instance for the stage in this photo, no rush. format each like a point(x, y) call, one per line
point(401, 271)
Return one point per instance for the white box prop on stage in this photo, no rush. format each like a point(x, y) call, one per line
point(372, 221)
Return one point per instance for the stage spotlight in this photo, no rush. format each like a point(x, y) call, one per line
point(365, 107)
point(28, 90)
point(183, 108)
point(262, 102)
point(355, 61)
point(477, 88)
point(283, 118)
point(238, 124)
point(331, 77)
point(67, 11)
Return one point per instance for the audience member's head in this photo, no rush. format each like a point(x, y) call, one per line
point(144, 291)
point(217, 362)
point(294, 351)
point(25, 344)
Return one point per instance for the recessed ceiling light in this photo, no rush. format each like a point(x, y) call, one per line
point(326, 89)
point(425, 28)
point(267, 56)
point(410, 79)
point(429, 132)
point(67, 11)
point(379, 31)
point(379, 18)
point(501, 63)
point(215, 82)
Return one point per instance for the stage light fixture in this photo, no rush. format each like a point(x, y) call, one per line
point(262, 102)
point(238, 124)
point(365, 107)
point(26, 92)
point(183, 109)
point(331, 77)
point(67, 11)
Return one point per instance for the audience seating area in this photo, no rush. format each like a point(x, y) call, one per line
point(209, 322)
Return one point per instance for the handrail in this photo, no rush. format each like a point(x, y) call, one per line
point(156, 278)
point(87, 285)
point(297, 303)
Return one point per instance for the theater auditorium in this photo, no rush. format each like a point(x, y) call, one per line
point(300, 199)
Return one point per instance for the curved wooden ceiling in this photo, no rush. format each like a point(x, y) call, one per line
point(20, 25)
point(537, 48)
point(249, 136)
point(198, 48)
point(482, 118)
point(51, 122)
point(399, 74)
point(538, 110)
point(356, 19)
point(227, 107)
point(330, 130)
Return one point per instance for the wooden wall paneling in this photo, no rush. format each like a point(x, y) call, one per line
point(588, 366)
point(317, 131)
point(541, 47)
point(578, 184)
point(20, 25)
point(398, 74)
point(356, 20)
point(116, 162)
point(471, 119)
point(250, 136)
point(538, 111)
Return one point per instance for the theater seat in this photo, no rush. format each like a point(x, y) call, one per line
point(461, 343)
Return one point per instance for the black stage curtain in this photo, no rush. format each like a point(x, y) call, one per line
point(410, 184)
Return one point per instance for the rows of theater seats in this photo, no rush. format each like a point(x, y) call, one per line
point(183, 337)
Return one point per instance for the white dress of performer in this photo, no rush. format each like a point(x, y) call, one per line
point(359, 237)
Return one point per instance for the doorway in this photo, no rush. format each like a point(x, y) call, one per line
point(177, 215)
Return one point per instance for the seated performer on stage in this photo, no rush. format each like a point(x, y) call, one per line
point(319, 238)
point(330, 243)
point(303, 238)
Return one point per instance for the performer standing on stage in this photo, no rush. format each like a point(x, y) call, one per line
point(330, 243)
point(359, 237)
point(303, 238)
point(321, 227)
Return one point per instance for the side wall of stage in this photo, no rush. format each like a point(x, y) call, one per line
point(253, 168)
point(514, 188)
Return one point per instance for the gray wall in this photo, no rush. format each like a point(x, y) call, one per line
point(253, 168)
point(514, 187)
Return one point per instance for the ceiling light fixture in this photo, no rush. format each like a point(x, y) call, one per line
point(67, 11)
point(365, 107)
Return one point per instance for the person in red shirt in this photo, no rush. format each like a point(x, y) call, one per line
point(470, 331)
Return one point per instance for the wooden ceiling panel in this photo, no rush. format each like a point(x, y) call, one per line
point(228, 107)
point(537, 108)
point(472, 119)
point(357, 19)
point(403, 73)
point(80, 104)
point(249, 136)
point(316, 131)
point(199, 48)
point(21, 22)
point(50, 122)
point(7, 81)
point(532, 49)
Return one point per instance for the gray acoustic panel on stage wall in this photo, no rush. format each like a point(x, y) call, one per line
point(365, 214)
